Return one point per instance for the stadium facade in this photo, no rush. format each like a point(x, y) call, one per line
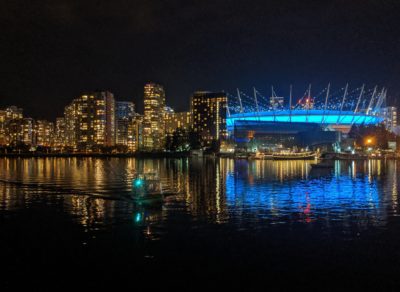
point(304, 124)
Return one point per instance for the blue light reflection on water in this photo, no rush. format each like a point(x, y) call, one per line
point(232, 215)
point(216, 190)
point(344, 191)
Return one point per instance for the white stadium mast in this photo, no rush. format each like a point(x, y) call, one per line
point(372, 100)
point(326, 102)
point(341, 106)
point(240, 100)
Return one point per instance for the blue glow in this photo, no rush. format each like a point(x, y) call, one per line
point(304, 116)
point(268, 194)
point(138, 217)
point(138, 182)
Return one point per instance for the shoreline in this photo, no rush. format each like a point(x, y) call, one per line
point(165, 155)
point(97, 155)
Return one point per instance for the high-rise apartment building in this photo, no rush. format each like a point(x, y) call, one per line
point(44, 132)
point(209, 111)
point(109, 99)
point(27, 131)
point(13, 113)
point(154, 117)
point(125, 113)
point(173, 121)
point(59, 139)
point(90, 121)
point(135, 133)
point(14, 129)
point(3, 138)
point(71, 114)
point(389, 115)
point(20, 131)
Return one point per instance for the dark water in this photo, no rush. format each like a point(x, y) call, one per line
point(69, 221)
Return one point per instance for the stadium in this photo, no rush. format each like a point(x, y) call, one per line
point(309, 121)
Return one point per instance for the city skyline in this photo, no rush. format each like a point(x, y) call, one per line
point(51, 52)
point(297, 95)
point(97, 122)
point(201, 142)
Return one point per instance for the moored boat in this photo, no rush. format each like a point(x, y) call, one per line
point(351, 156)
point(294, 155)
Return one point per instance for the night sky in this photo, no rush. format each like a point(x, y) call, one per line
point(53, 50)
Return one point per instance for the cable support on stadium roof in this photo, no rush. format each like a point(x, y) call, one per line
point(352, 100)
point(380, 100)
point(344, 98)
point(372, 99)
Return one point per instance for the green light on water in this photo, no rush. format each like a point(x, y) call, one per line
point(138, 182)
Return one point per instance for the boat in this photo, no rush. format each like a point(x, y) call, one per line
point(294, 155)
point(351, 156)
point(260, 156)
point(147, 188)
point(241, 155)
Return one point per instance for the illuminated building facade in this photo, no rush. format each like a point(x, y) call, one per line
point(27, 130)
point(135, 133)
point(389, 115)
point(6, 116)
point(13, 113)
point(90, 121)
point(3, 138)
point(173, 121)
point(109, 99)
point(71, 114)
point(14, 128)
point(125, 112)
point(20, 131)
point(154, 117)
point(59, 139)
point(44, 132)
point(209, 112)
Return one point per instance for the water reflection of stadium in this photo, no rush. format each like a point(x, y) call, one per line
point(216, 190)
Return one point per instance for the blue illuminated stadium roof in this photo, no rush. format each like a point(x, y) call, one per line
point(328, 117)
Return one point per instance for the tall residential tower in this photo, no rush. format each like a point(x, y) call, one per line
point(90, 121)
point(154, 117)
point(209, 110)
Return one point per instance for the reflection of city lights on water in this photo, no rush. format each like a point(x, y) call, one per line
point(339, 191)
point(218, 189)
